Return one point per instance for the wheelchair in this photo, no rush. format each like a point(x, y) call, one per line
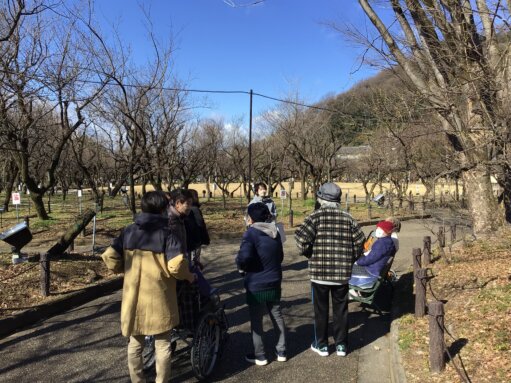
point(203, 332)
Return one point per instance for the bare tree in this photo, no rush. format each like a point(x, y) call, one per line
point(457, 56)
point(13, 11)
point(49, 78)
point(311, 139)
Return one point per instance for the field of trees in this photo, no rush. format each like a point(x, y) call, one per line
point(77, 113)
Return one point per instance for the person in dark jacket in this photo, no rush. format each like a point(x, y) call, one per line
point(196, 231)
point(180, 204)
point(260, 258)
point(368, 267)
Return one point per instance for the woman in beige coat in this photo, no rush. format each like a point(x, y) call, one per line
point(150, 258)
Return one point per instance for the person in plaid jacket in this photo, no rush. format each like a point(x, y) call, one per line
point(331, 240)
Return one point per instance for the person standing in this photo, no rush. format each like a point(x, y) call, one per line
point(260, 259)
point(261, 195)
point(196, 231)
point(331, 240)
point(151, 259)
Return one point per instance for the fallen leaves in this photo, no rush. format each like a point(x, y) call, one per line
point(477, 286)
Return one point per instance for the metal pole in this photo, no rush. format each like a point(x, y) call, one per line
point(17, 214)
point(93, 234)
point(250, 147)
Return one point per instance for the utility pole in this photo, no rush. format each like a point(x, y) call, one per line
point(250, 148)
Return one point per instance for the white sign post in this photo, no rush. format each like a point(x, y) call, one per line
point(79, 193)
point(16, 200)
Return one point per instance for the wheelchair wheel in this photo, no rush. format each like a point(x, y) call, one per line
point(206, 345)
point(148, 354)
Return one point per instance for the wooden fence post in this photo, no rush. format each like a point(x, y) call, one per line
point(420, 292)
point(416, 255)
point(422, 206)
point(44, 274)
point(453, 233)
point(441, 236)
point(436, 336)
point(426, 253)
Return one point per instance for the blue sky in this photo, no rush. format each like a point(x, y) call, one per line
point(275, 47)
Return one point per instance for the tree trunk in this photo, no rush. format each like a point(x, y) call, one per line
point(482, 203)
point(8, 192)
point(504, 180)
point(208, 189)
point(132, 201)
point(302, 189)
point(71, 233)
point(39, 205)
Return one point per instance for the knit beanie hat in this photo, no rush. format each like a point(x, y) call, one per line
point(258, 212)
point(386, 226)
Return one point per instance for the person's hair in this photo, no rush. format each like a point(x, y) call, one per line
point(324, 203)
point(154, 202)
point(258, 185)
point(396, 223)
point(180, 195)
point(195, 197)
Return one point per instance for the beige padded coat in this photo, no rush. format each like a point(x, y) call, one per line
point(149, 301)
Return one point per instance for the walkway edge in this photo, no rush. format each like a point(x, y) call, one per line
point(33, 315)
point(397, 371)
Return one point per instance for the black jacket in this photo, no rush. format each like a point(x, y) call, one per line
point(196, 231)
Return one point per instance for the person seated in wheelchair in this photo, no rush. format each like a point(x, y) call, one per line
point(368, 267)
point(371, 238)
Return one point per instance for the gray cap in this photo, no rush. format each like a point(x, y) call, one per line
point(329, 192)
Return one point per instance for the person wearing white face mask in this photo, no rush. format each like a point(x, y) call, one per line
point(367, 268)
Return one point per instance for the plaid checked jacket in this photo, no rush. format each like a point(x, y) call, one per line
point(331, 239)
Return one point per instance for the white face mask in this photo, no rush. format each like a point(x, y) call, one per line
point(379, 233)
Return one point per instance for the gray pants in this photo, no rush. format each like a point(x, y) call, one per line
point(256, 322)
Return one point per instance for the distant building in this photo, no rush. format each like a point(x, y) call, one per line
point(353, 152)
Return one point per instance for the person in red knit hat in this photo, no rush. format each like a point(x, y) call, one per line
point(367, 268)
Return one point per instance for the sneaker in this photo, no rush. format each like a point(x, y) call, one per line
point(323, 351)
point(341, 350)
point(281, 356)
point(257, 360)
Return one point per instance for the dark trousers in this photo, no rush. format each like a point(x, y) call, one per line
point(321, 300)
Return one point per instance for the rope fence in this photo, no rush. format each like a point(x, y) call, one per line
point(423, 276)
